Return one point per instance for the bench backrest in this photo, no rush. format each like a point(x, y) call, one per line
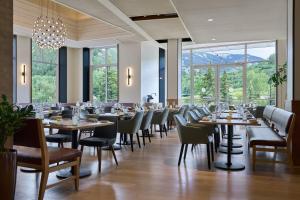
point(282, 120)
point(268, 113)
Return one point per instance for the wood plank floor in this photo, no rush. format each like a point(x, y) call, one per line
point(152, 173)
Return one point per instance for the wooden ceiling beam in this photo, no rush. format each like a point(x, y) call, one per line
point(151, 17)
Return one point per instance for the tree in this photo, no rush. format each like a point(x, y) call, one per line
point(224, 89)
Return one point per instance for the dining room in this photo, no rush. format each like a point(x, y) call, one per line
point(109, 99)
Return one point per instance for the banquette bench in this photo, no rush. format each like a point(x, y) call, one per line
point(274, 134)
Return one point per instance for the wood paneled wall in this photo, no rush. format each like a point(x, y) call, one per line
point(6, 48)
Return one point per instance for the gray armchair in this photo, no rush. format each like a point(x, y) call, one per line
point(172, 113)
point(193, 117)
point(190, 134)
point(131, 127)
point(146, 123)
point(160, 118)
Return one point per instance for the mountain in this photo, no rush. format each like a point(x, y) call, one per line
point(209, 58)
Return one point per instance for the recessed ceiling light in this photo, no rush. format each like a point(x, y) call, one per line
point(210, 19)
point(213, 39)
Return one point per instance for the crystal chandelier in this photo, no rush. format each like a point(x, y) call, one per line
point(49, 31)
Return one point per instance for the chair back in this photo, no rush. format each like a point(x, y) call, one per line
point(28, 134)
point(137, 120)
point(259, 110)
point(164, 116)
point(180, 122)
point(66, 114)
point(186, 112)
point(31, 134)
point(199, 115)
point(181, 110)
point(109, 132)
point(147, 118)
point(193, 117)
point(206, 111)
point(268, 113)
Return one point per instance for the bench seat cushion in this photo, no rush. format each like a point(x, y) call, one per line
point(265, 137)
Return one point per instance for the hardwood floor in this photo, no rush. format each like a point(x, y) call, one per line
point(152, 173)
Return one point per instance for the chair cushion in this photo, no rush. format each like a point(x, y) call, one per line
point(58, 138)
point(33, 155)
point(97, 142)
point(264, 136)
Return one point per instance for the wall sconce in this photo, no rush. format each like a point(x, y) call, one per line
point(23, 74)
point(129, 76)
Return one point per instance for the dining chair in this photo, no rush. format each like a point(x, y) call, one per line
point(61, 136)
point(160, 118)
point(145, 125)
point(102, 137)
point(172, 113)
point(87, 131)
point(131, 127)
point(30, 143)
point(190, 134)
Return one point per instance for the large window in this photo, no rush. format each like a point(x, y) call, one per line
point(44, 69)
point(234, 74)
point(104, 63)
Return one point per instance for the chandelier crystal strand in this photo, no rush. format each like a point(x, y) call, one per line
point(49, 31)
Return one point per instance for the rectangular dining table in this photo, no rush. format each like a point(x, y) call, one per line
point(229, 164)
point(67, 125)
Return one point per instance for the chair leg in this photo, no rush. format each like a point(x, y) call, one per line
point(138, 139)
point(180, 154)
point(131, 141)
point(208, 155)
point(114, 154)
point(166, 131)
point(185, 151)
point(212, 151)
point(143, 134)
point(62, 145)
point(81, 149)
point(148, 135)
point(43, 184)
point(192, 147)
point(160, 130)
point(253, 157)
point(76, 173)
point(99, 152)
point(120, 139)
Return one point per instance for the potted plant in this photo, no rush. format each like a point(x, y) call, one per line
point(11, 117)
point(279, 76)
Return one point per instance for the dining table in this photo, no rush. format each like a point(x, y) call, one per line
point(74, 128)
point(229, 164)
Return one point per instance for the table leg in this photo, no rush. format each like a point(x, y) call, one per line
point(69, 172)
point(229, 165)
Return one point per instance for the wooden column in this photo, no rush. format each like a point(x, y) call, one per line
point(6, 41)
point(293, 83)
point(174, 72)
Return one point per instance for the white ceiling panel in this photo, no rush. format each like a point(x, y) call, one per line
point(233, 20)
point(144, 7)
point(164, 28)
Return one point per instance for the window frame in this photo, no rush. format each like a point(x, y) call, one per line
point(217, 68)
point(56, 73)
point(106, 65)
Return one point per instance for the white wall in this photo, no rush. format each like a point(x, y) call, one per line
point(130, 56)
point(149, 71)
point(23, 57)
point(74, 74)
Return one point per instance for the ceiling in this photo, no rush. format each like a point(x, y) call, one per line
point(233, 20)
point(94, 21)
